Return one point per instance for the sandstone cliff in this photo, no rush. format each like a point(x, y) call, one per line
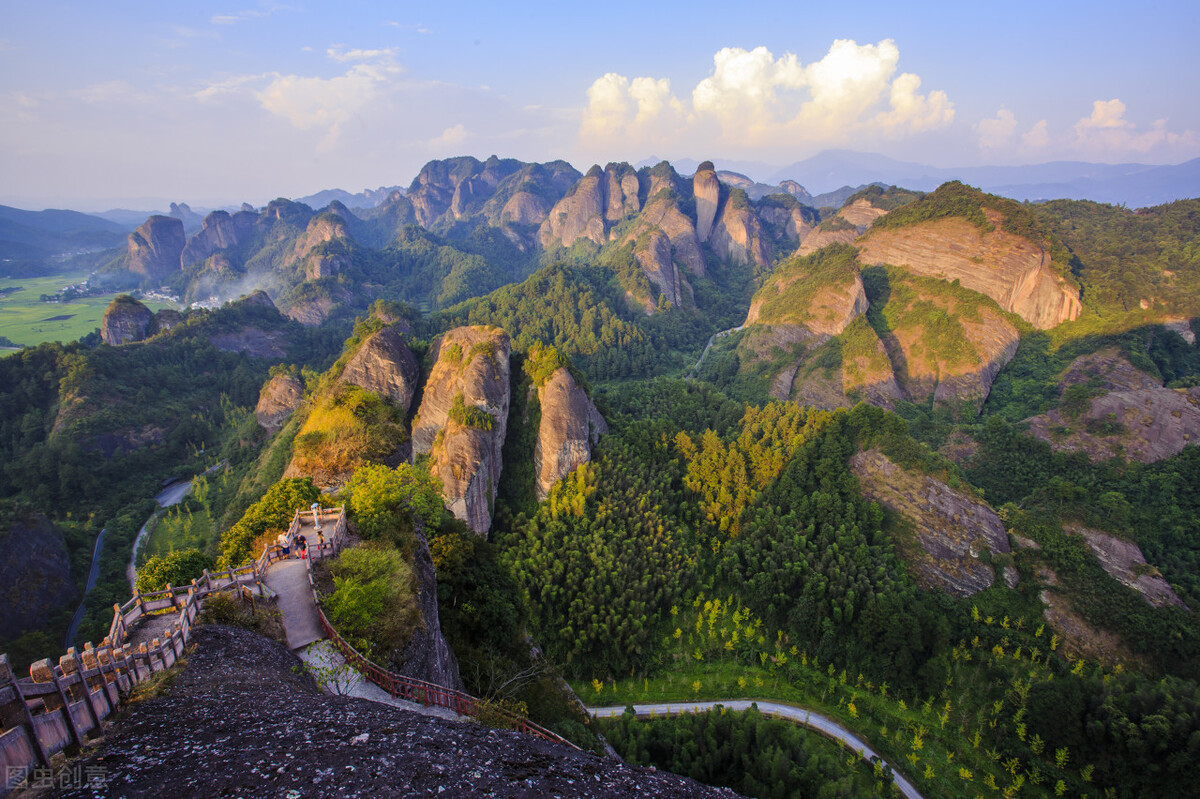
point(580, 214)
point(308, 250)
point(125, 320)
point(951, 528)
point(35, 574)
point(447, 190)
point(385, 365)
point(156, 247)
point(707, 191)
point(279, 396)
point(787, 221)
point(1125, 563)
point(570, 426)
point(1134, 417)
point(462, 419)
point(219, 231)
point(1012, 270)
point(428, 655)
point(738, 235)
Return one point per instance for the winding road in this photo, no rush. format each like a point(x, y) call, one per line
point(807, 718)
point(695, 371)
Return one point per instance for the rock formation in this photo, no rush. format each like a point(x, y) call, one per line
point(738, 235)
point(786, 219)
point(35, 574)
point(278, 398)
point(156, 247)
point(385, 365)
point(580, 214)
point(570, 426)
point(462, 419)
point(453, 188)
point(322, 229)
point(428, 656)
point(707, 191)
point(622, 192)
point(1012, 270)
point(1125, 563)
point(952, 528)
point(125, 320)
point(219, 231)
point(306, 743)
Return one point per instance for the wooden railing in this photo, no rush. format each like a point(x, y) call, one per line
point(59, 704)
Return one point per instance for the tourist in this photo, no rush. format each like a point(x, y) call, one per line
point(285, 550)
point(302, 546)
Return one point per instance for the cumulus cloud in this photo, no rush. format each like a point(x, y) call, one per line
point(1037, 137)
point(751, 98)
point(450, 137)
point(1106, 132)
point(998, 130)
point(328, 103)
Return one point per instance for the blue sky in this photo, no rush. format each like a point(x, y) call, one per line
point(129, 104)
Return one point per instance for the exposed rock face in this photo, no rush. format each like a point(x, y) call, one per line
point(311, 312)
point(820, 237)
point(385, 365)
point(428, 656)
point(578, 215)
point(663, 213)
point(253, 341)
point(456, 187)
point(218, 232)
point(321, 230)
point(787, 220)
point(861, 213)
point(569, 428)
point(952, 528)
point(621, 192)
point(833, 305)
point(1126, 564)
point(278, 398)
point(1010, 269)
point(156, 247)
point(707, 190)
point(1108, 370)
point(1183, 327)
point(125, 320)
point(35, 575)
point(471, 363)
point(195, 737)
point(1145, 425)
point(738, 235)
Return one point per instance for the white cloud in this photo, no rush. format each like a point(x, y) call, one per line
point(450, 137)
point(997, 131)
point(1106, 132)
point(753, 99)
point(266, 9)
point(1037, 137)
point(328, 103)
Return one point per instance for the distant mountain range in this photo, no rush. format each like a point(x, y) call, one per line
point(1133, 185)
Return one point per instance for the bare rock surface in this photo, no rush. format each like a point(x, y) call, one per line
point(1124, 561)
point(125, 320)
point(570, 426)
point(278, 398)
point(428, 655)
point(952, 528)
point(707, 190)
point(471, 363)
point(322, 229)
point(738, 235)
point(580, 214)
point(385, 365)
point(35, 574)
point(156, 247)
point(219, 231)
point(251, 340)
point(1012, 270)
point(242, 720)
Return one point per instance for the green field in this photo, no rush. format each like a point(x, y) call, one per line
point(25, 320)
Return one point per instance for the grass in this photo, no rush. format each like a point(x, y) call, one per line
point(27, 321)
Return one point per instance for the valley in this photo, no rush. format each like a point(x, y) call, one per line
point(923, 462)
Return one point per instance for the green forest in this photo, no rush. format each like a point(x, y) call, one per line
point(715, 545)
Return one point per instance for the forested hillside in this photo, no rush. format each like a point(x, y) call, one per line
point(925, 463)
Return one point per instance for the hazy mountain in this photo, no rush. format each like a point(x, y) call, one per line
point(38, 234)
point(367, 198)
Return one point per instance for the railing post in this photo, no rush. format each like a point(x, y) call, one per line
point(22, 716)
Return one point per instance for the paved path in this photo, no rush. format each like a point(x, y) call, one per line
point(289, 580)
point(800, 715)
point(329, 669)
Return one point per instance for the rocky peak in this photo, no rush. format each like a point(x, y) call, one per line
point(385, 365)
point(125, 320)
point(621, 192)
point(707, 190)
point(322, 229)
point(580, 214)
point(951, 528)
point(1012, 270)
point(279, 396)
point(738, 236)
point(660, 177)
point(1125, 563)
point(462, 419)
point(219, 231)
point(570, 426)
point(155, 248)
